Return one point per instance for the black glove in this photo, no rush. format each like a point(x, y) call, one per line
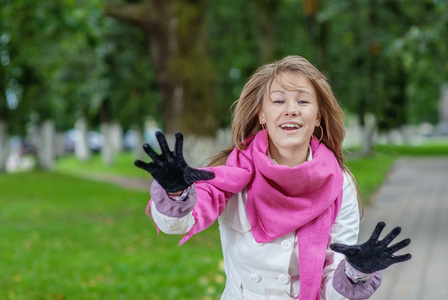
point(169, 169)
point(374, 255)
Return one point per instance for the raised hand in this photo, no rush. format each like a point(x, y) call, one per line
point(374, 255)
point(169, 169)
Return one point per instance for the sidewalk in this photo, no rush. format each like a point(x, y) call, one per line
point(415, 197)
point(130, 183)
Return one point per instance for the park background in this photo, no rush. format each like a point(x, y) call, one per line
point(83, 84)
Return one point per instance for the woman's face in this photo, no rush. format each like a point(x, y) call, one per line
point(290, 112)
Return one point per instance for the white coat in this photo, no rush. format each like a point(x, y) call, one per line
point(271, 270)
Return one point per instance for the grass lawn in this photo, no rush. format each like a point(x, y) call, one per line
point(69, 238)
point(123, 165)
point(370, 173)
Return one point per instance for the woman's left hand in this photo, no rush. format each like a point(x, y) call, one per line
point(374, 255)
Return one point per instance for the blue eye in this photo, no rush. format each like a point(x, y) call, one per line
point(278, 101)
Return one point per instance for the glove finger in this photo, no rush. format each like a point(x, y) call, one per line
point(142, 165)
point(401, 258)
point(192, 175)
point(179, 144)
point(348, 251)
point(148, 149)
point(398, 246)
point(163, 144)
point(393, 234)
point(376, 232)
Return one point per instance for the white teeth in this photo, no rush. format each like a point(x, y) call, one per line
point(290, 126)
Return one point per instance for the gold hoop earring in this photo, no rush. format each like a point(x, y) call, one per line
point(321, 132)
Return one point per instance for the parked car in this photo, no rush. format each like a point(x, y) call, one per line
point(95, 140)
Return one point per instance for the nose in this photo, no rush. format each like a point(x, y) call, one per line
point(292, 109)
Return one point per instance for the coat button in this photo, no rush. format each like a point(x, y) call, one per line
point(255, 278)
point(284, 279)
point(286, 245)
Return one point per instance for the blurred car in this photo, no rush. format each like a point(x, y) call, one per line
point(441, 129)
point(95, 140)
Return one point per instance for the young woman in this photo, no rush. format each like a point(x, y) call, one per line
point(286, 203)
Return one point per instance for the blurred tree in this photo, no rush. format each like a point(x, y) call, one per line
point(5, 106)
point(178, 48)
point(234, 49)
point(380, 54)
point(267, 9)
point(246, 34)
point(62, 61)
point(129, 74)
point(52, 67)
point(407, 57)
point(132, 94)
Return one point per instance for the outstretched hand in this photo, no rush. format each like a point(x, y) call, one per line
point(374, 255)
point(169, 169)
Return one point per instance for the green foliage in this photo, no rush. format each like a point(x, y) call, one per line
point(233, 48)
point(65, 58)
point(68, 238)
point(129, 74)
point(386, 57)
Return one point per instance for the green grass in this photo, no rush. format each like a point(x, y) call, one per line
point(69, 238)
point(422, 150)
point(370, 172)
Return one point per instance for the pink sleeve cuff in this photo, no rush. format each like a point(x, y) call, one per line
point(345, 287)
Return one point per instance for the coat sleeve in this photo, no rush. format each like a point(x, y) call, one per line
point(335, 284)
point(171, 216)
point(203, 205)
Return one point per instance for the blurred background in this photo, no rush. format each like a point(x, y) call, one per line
point(83, 84)
point(102, 76)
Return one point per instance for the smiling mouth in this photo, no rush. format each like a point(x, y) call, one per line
point(290, 126)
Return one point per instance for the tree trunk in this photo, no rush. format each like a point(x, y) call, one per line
point(443, 103)
point(138, 151)
point(82, 152)
point(4, 145)
point(373, 81)
point(368, 130)
point(59, 149)
point(176, 31)
point(266, 10)
point(116, 137)
point(45, 145)
point(107, 153)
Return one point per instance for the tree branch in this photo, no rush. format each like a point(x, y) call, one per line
point(139, 13)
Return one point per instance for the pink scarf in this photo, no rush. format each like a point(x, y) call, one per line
point(281, 200)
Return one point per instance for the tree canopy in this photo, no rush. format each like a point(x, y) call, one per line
point(184, 62)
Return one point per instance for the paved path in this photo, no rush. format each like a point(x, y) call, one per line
point(130, 183)
point(415, 197)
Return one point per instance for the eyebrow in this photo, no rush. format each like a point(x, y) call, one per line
point(300, 91)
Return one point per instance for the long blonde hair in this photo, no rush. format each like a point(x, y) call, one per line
point(245, 120)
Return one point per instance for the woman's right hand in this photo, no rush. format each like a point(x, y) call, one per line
point(169, 169)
